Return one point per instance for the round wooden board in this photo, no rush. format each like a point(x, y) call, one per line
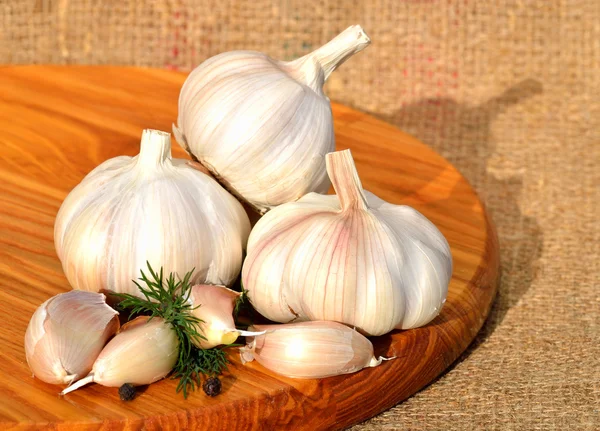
point(60, 122)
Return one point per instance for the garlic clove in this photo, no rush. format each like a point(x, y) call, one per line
point(66, 334)
point(262, 126)
point(310, 350)
point(145, 351)
point(214, 305)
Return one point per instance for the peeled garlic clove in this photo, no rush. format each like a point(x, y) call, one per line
point(153, 208)
point(144, 352)
point(214, 305)
point(310, 350)
point(263, 126)
point(66, 334)
point(351, 258)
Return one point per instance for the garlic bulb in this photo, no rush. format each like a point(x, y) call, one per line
point(66, 334)
point(150, 207)
point(144, 352)
point(351, 258)
point(310, 350)
point(214, 306)
point(263, 126)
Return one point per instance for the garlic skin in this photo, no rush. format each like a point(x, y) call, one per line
point(262, 126)
point(214, 306)
point(310, 350)
point(144, 352)
point(150, 207)
point(351, 258)
point(66, 334)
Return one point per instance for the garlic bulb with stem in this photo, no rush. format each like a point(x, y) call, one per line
point(310, 350)
point(214, 305)
point(145, 351)
point(263, 126)
point(66, 334)
point(351, 258)
point(150, 207)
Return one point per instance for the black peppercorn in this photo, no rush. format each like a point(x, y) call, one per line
point(127, 392)
point(212, 386)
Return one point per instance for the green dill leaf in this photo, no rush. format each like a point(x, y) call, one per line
point(241, 302)
point(167, 298)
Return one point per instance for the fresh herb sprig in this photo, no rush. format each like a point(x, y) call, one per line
point(169, 299)
point(210, 362)
point(241, 302)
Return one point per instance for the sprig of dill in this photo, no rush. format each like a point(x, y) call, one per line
point(168, 299)
point(210, 362)
point(241, 302)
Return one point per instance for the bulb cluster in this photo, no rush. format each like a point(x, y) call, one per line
point(332, 269)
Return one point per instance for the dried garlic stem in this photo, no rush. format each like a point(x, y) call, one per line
point(155, 148)
point(345, 180)
point(335, 52)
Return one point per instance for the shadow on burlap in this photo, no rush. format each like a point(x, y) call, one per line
point(470, 131)
point(507, 91)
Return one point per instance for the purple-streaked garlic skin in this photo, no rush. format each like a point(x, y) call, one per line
point(351, 258)
point(66, 334)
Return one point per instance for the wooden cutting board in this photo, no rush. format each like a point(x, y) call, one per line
point(57, 123)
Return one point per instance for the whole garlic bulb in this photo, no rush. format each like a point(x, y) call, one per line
point(130, 210)
point(310, 350)
point(143, 352)
point(66, 334)
point(263, 126)
point(351, 258)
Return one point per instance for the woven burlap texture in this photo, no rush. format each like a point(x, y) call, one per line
point(507, 91)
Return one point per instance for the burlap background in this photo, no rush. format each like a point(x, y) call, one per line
point(507, 90)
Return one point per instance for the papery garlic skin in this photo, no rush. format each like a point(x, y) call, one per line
point(153, 208)
point(351, 258)
point(66, 334)
point(214, 306)
point(143, 352)
point(310, 350)
point(263, 126)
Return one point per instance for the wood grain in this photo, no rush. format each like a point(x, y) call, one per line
point(60, 122)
